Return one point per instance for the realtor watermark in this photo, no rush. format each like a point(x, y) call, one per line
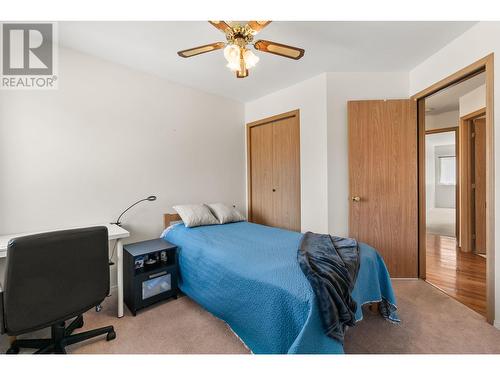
point(28, 55)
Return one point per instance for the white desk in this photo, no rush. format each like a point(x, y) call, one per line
point(115, 232)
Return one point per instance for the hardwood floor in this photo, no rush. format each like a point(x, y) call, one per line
point(460, 275)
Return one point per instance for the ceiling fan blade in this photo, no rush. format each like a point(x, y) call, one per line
point(258, 25)
point(279, 49)
point(221, 25)
point(201, 49)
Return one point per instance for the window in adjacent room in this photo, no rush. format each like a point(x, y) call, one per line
point(447, 170)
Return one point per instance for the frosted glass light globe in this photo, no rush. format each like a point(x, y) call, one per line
point(250, 59)
point(232, 54)
point(234, 67)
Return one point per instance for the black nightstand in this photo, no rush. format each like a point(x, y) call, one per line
point(149, 272)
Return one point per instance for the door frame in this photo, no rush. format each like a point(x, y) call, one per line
point(486, 64)
point(457, 171)
point(264, 121)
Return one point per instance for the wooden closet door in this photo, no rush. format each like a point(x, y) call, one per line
point(261, 174)
point(383, 181)
point(286, 173)
point(274, 171)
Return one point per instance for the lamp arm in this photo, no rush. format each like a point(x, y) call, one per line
point(119, 217)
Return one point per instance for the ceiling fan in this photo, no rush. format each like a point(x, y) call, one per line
point(239, 58)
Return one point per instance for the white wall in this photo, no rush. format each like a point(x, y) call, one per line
point(442, 120)
point(342, 87)
point(107, 137)
point(476, 43)
point(473, 101)
point(310, 98)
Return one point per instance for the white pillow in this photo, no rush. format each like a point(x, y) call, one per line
point(195, 215)
point(224, 213)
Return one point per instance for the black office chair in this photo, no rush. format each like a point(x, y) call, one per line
point(51, 278)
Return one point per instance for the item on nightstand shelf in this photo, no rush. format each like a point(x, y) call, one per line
point(138, 263)
point(150, 273)
point(150, 263)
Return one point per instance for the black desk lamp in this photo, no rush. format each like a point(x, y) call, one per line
point(150, 198)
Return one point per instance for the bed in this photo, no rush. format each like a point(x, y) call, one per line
point(247, 275)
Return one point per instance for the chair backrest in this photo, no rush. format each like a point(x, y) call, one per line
point(54, 276)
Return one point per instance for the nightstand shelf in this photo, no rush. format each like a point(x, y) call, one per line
point(150, 273)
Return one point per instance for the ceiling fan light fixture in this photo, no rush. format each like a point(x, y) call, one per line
point(239, 58)
point(232, 54)
point(242, 73)
point(251, 59)
point(233, 66)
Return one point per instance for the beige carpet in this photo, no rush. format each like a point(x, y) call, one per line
point(432, 323)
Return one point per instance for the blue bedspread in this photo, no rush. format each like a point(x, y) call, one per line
point(248, 275)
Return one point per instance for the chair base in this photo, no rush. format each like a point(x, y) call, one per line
point(61, 336)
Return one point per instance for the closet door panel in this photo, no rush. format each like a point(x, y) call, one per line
point(261, 174)
point(286, 173)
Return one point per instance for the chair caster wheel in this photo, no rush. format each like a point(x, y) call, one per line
point(111, 336)
point(12, 350)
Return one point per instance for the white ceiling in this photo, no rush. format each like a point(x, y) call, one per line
point(330, 47)
point(448, 99)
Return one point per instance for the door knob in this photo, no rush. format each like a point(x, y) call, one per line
point(355, 199)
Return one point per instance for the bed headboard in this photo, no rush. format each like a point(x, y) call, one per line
point(169, 218)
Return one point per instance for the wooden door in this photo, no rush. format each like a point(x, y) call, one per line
point(274, 171)
point(261, 174)
point(480, 185)
point(383, 181)
point(286, 173)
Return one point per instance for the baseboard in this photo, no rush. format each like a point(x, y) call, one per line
point(496, 324)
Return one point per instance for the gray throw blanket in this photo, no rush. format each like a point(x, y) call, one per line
point(331, 265)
